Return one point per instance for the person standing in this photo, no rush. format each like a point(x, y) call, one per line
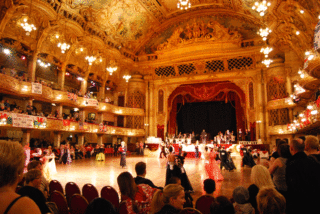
point(26, 149)
point(203, 137)
point(115, 149)
point(141, 145)
point(123, 152)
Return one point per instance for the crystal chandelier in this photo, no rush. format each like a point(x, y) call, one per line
point(126, 77)
point(264, 33)
point(63, 46)
point(43, 64)
point(266, 51)
point(111, 69)
point(27, 26)
point(91, 59)
point(184, 4)
point(261, 7)
point(267, 62)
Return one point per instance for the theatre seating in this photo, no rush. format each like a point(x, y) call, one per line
point(90, 192)
point(203, 204)
point(55, 185)
point(123, 208)
point(190, 211)
point(78, 204)
point(60, 201)
point(71, 189)
point(110, 194)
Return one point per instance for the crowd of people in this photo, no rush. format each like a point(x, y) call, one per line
point(288, 183)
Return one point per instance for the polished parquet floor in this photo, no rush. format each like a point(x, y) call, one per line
point(103, 173)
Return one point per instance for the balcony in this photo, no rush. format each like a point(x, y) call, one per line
point(280, 103)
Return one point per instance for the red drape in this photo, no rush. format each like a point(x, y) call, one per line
point(160, 131)
point(201, 92)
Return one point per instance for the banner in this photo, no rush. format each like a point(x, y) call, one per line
point(84, 126)
point(72, 96)
point(66, 122)
point(40, 122)
point(22, 120)
point(102, 128)
point(36, 88)
point(91, 102)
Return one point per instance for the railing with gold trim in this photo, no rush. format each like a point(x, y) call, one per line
point(281, 103)
point(279, 130)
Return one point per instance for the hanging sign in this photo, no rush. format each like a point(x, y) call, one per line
point(36, 88)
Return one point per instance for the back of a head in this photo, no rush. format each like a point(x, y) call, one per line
point(126, 184)
point(284, 151)
point(100, 206)
point(32, 174)
point(270, 200)
point(170, 149)
point(12, 160)
point(140, 168)
point(241, 195)
point(261, 177)
point(33, 164)
point(209, 185)
point(298, 145)
point(312, 142)
point(222, 205)
point(174, 180)
point(162, 197)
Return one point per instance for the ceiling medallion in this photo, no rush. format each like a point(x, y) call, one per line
point(183, 4)
point(261, 7)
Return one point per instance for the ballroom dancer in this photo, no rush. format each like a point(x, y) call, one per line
point(49, 164)
point(123, 152)
point(26, 149)
point(230, 161)
point(224, 159)
point(181, 172)
point(211, 166)
point(247, 157)
point(171, 167)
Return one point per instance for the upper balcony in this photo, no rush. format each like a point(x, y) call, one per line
point(10, 85)
point(280, 103)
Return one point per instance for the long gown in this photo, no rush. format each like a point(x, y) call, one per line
point(123, 151)
point(49, 168)
point(27, 159)
point(212, 167)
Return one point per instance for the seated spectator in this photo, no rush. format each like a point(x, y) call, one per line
point(7, 104)
point(32, 189)
point(222, 205)
point(189, 199)
point(241, 198)
point(30, 108)
point(169, 200)
point(12, 160)
point(209, 186)
point(275, 153)
point(141, 174)
point(271, 201)
point(78, 153)
point(100, 206)
point(312, 147)
point(44, 186)
point(137, 197)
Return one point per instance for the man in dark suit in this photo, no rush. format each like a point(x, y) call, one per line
point(303, 180)
point(141, 173)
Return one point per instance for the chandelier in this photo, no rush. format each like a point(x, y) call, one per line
point(27, 26)
point(63, 46)
point(91, 59)
point(261, 7)
point(266, 51)
point(126, 77)
point(43, 64)
point(267, 62)
point(183, 4)
point(111, 69)
point(264, 33)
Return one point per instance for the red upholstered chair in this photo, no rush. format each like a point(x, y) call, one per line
point(71, 189)
point(78, 204)
point(55, 185)
point(90, 192)
point(60, 201)
point(190, 211)
point(123, 208)
point(203, 204)
point(110, 194)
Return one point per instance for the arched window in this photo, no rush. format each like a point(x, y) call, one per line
point(276, 88)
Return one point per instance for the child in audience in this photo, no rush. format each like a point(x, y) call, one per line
point(209, 186)
point(241, 197)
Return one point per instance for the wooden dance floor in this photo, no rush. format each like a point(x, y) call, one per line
point(104, 173)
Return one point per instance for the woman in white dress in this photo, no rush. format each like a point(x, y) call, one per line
point(49, 164)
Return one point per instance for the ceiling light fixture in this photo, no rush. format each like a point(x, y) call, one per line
point(43, 64)
point(127, 77)
point(261, 7)
point(266, 51)
point(183, 4)
point(111, 70)
point(6, 51)
point(267, 62)
point(264, 33)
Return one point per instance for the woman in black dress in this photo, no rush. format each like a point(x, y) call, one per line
point(123, 152)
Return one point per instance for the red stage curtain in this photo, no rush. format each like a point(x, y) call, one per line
point(160, 131)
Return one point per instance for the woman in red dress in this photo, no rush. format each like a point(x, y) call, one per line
point(211, 165)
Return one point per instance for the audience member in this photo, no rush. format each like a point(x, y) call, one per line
point(189, 199)
point(141, 174)
point(44, 186)
point(11, 169)
point(303, 180)
point(312, 147)
point(209, 186)
point(32, 189)
point(241, 198)
point(271, 201)
point(222, 205)
point(137, 197)
point(170, 200)
point(275, 154)
point(100, 206)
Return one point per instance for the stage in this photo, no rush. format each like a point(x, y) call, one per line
point(105, 173)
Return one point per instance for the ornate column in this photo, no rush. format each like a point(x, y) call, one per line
point(100, 139)
point(26, 137)
point(289, 90)
point(62, 75)
point(80, 139)
point(56, 139)
point(32, 66)
point(259, 106)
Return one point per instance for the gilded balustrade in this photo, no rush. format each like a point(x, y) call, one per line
point(281, 103)
point(14, 86)
point(279, 130)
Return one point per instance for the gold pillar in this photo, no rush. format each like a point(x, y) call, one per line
point(62, 75)
point(83, 89)
point(56, 139)
point(32, 66)
point(26, 137)
point(80, 139)
point(100, 139)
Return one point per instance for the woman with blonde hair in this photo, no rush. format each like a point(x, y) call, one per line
point(12, 160)
point(271, 201)
point(260, 177)
point(170, 200)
